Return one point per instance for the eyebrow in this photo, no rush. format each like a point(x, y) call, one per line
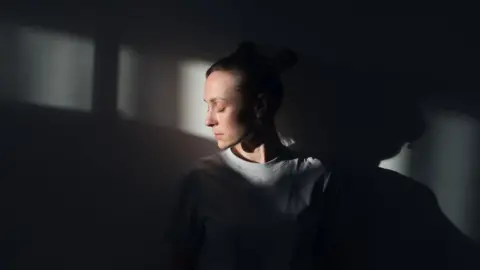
point(215, 99)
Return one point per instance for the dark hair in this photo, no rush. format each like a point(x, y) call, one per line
point(258, 74)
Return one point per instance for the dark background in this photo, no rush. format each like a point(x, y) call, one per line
point(85, 188)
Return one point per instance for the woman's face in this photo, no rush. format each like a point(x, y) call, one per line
point(227, 113)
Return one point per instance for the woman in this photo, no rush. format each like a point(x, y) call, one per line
point(251, 206)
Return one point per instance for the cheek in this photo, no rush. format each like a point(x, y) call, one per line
point(228, 121)
point(232, 124)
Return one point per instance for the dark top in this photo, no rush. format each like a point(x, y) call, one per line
point(225, 222)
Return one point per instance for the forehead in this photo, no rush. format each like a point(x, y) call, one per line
point(221, 84)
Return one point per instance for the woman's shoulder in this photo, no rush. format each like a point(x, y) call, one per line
point(305, 160)
point(208, 163)
point(206, 166)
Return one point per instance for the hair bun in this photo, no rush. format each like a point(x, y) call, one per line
point(281, 61)
point(246, 48)
point(285, 59)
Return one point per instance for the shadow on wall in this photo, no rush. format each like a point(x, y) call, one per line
point(86, 193)
point(89, 192)
point(161, 81)
point(367, 115)
point(163, 89)
point(446, 159)
point(349, 112)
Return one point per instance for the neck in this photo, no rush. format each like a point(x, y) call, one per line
point(263, 146)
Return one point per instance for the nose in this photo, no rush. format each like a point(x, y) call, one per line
point(210, 120)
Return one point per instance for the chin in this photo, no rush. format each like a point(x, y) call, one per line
point(224, 145)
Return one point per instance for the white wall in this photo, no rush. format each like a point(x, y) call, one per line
point(446, 159)
point(46, 67)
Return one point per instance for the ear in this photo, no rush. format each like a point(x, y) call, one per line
point(261, 106)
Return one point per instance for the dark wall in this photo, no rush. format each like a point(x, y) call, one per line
point(88, 193)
